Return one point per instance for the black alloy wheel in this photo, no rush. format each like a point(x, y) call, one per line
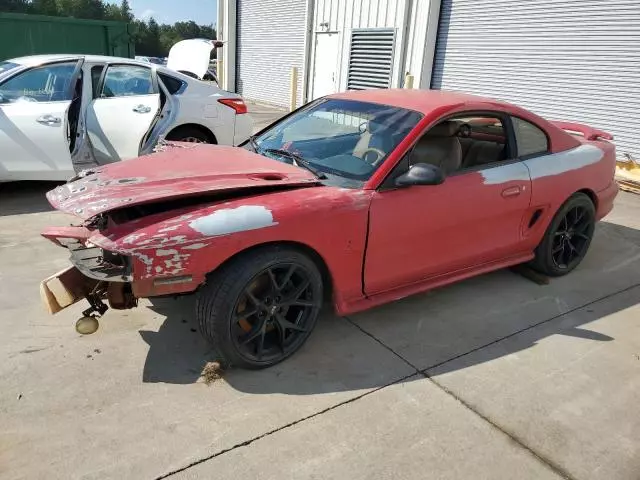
point(571, 239)
point(568, 237)
point(261, 307)
point(274, 313)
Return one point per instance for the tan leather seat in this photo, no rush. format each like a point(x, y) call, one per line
point(439, 147)
point(482, 152)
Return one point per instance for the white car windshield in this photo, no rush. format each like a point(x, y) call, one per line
point(339, 138)
point(46, 83)
point(6, 66)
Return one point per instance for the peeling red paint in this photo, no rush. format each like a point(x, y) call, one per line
point(173, 173)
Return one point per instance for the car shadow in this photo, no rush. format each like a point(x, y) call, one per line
point(347, 354)
point(18, 198)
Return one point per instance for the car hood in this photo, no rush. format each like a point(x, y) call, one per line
point(181, 170)
point(191, 55)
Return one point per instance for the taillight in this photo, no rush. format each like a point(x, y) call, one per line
point(236, 103)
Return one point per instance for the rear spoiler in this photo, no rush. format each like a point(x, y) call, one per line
point(589, 133)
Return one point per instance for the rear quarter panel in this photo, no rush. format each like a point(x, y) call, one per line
point(196, 241)
point(199, 105)
point(588, 167)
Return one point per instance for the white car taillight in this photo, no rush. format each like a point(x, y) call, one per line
point(236, 103)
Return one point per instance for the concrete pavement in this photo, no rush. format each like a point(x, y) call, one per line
point(495, 377)
point(263, 115)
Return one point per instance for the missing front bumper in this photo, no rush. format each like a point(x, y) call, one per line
point(65, 288)
point(70, 285)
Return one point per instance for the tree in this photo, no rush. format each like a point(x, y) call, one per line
point(14, 6)
point(82, 8)
point(150, 38)
point(120, 13)
point(125, 11)
point(112, 12)
point(187, 30)
point(45, 7)
point(154, 38)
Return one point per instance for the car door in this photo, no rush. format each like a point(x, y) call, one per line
point(122, 111)
point(34, 129)
point(474, 218)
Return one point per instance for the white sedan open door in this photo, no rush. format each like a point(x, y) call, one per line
point(124, 106)
point(34, 127)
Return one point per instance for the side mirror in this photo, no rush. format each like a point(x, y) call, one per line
point(421, 174)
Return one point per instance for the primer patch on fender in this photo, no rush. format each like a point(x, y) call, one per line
point(505, 173)
point(544, 166)
point(549, 165)
point(232, 220)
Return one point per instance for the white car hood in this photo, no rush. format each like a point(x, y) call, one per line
point(191, 55)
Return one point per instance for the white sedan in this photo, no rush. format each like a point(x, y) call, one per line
point(63, 113)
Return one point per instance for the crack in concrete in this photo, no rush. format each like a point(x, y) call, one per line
point(550, 464)
point(283, 427)
point(558, 470)
point(530, 327)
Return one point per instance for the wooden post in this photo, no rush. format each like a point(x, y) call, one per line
point(408, 81)
point(293, 99)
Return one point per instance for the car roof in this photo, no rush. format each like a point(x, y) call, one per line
point(33, 60)
point(423, 101)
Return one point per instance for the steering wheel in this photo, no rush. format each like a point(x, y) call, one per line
point(379, 155)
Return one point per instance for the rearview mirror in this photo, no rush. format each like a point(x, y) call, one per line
point(421, 174)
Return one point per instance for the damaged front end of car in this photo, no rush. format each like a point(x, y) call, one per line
point(145, 228)
point(95, 274)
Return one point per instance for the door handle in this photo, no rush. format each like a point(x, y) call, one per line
point(141, 109)
point(49, 120)
point(511, 192)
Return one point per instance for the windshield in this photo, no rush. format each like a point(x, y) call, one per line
point(6, 66)
point(340, 138)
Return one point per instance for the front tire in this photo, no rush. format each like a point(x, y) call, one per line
point(261, 307)
point(567, 239)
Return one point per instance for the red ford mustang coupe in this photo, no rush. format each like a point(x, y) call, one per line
point(362, 197)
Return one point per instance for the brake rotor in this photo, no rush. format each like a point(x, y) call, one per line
point(244, 323)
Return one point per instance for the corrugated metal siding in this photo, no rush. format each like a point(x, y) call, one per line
point(270, 40)
point(345, 15)
point(573, 60)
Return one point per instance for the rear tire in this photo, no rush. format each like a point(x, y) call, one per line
point(261, 307)
point(568, 237)
point(190, 135)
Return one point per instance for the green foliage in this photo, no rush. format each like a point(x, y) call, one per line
point(151, 39)
point(14, 6)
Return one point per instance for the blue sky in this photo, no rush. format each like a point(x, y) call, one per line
point(202, 12)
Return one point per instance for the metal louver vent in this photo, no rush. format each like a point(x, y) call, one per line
point(371, 58)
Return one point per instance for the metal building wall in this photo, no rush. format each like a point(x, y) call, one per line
point(344, 15)
point(576, 60)
point(270, 39)
point(421, 41)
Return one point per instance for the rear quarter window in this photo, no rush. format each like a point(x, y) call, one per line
point(173, 84)
point(531, 140)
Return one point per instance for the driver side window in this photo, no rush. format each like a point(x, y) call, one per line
point(463, 142)
point(50, 83)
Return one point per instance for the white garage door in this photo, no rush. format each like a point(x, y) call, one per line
point(574, 60)
point(270, 40)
